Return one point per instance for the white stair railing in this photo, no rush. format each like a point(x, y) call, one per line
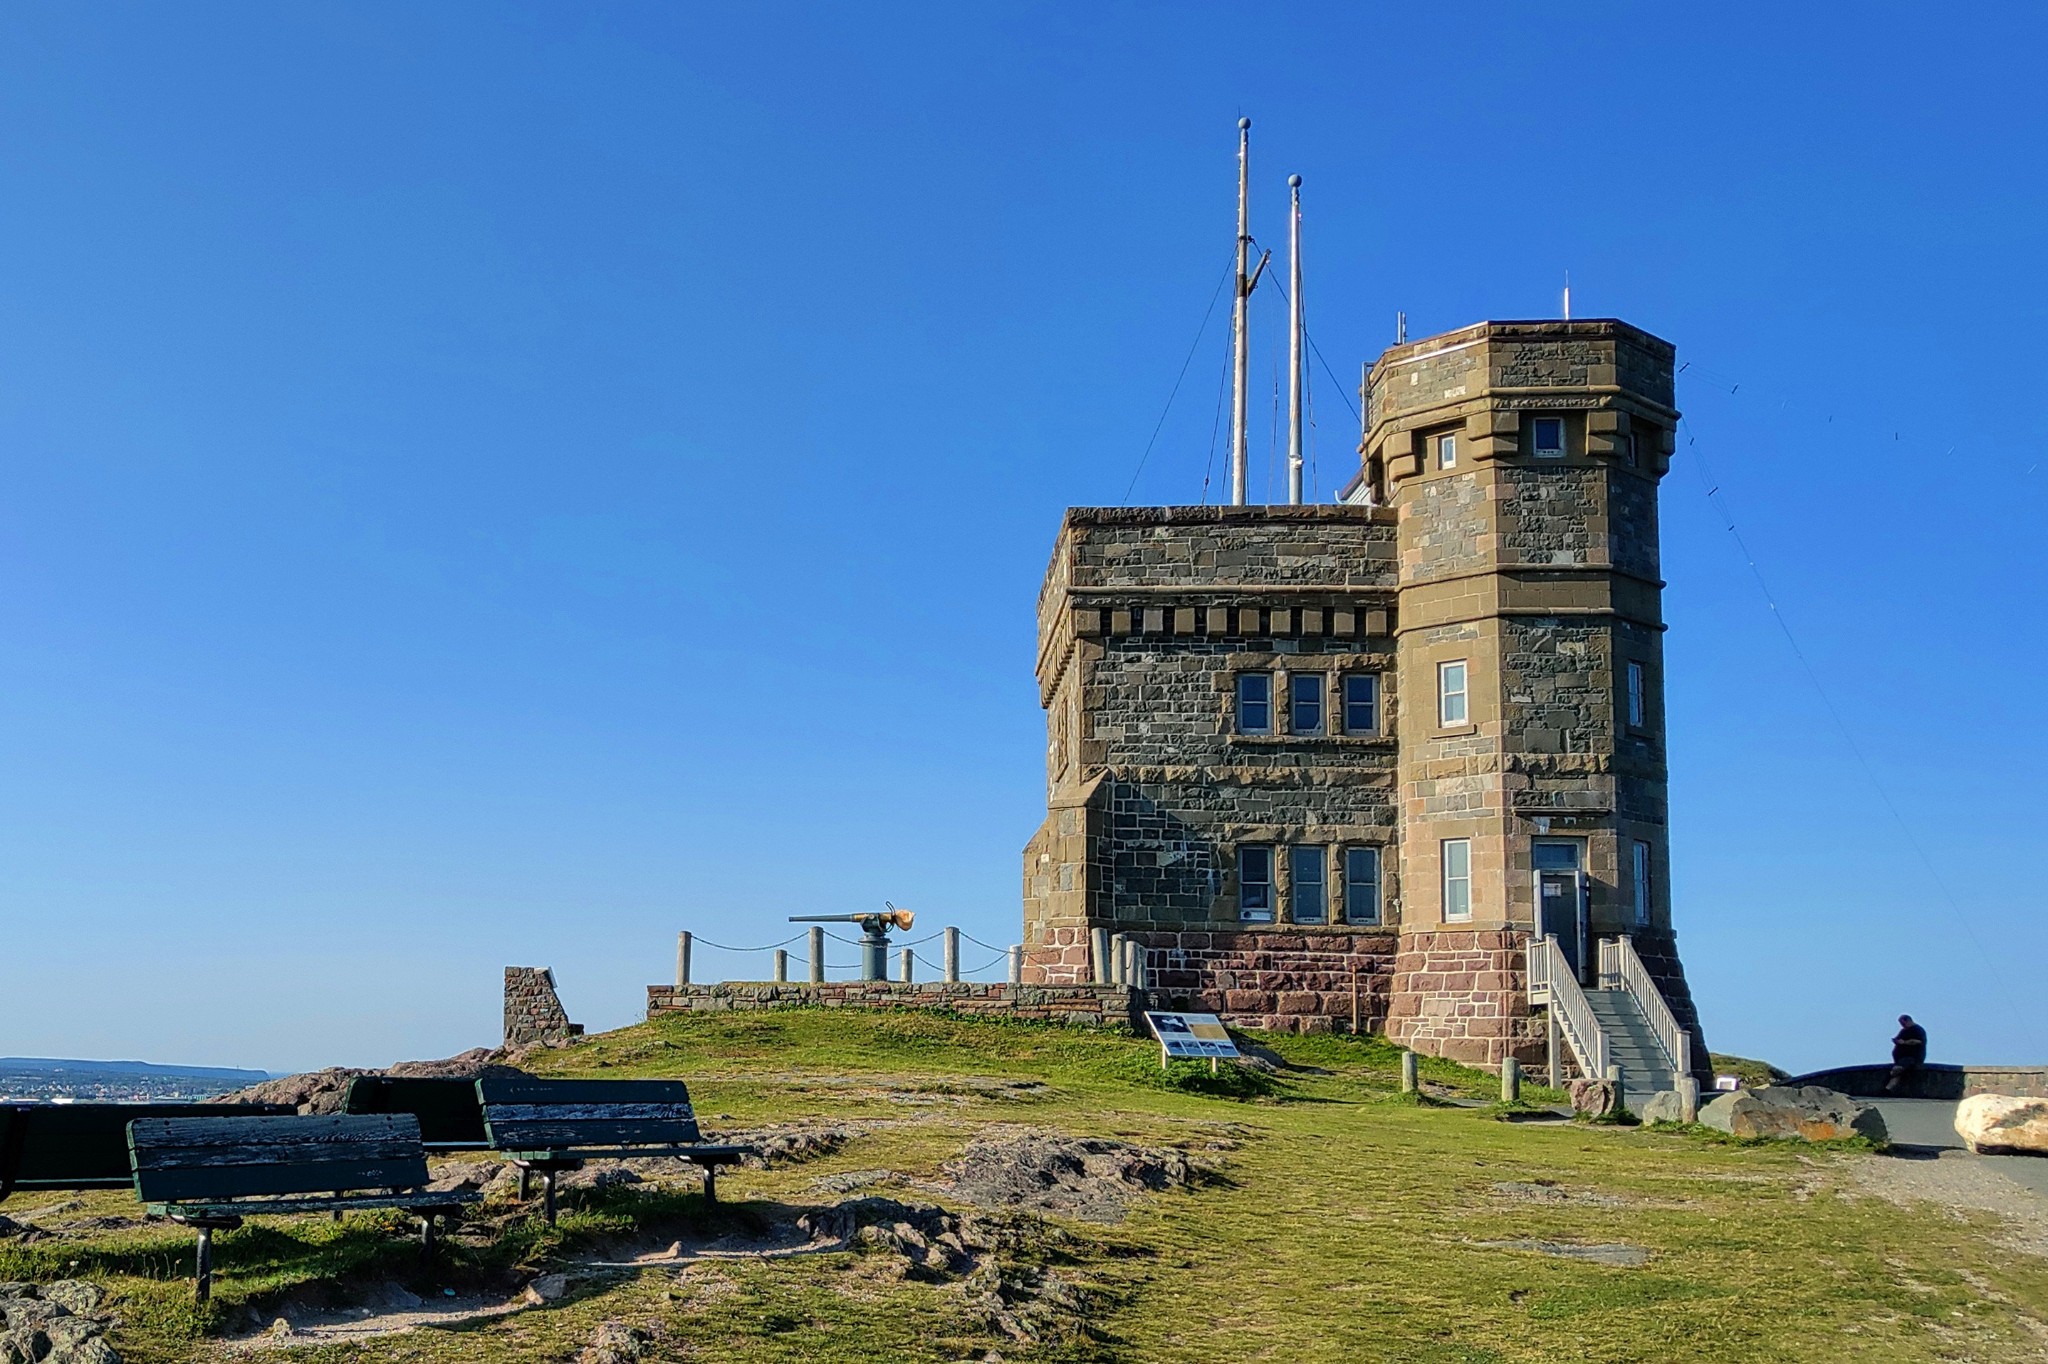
point(1552, 983)
point(1622, 969)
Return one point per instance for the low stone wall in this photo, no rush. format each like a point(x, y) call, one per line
point(1933, 1082)
point(1099, 1005)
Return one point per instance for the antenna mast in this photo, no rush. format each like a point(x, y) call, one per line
point(1240, 340)
point(1294, 333)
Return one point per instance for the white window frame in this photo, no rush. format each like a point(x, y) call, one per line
point(1447, 450)
point(1374, 911)
point(1445, 694)
point(1638, 710)
point(1322, 685)
point(1455, 860)
point(1255, 914)
point(1535, 426)
point(1639, 867)
point(1320, 861)
point(1237, 703)
point(1344, 701)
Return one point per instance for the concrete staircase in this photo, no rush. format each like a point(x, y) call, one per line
point(1631, 1042)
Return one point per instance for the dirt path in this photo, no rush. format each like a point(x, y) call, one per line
point(1957, 1182)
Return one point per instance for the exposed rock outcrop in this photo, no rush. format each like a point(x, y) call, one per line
point(1807, 1113)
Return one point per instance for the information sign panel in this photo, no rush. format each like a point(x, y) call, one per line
point(1192, 1036)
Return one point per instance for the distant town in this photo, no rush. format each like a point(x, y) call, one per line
point(28, 1079)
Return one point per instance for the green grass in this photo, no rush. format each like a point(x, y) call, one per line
point(1343, 1223)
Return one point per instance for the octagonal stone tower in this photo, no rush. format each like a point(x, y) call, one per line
point(1523, 460)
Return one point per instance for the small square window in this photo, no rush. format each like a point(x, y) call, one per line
point(1548, 437)
point(1255, 884)
point(1361, 703)
point(1457, 859)
point(1305, 703)
point(1447, 452)
point(1628, 449)
point(1306, 901)
point(1636, 710)
point(1641, 869)
point(1255, 703)
point(1451, 707)
point(1362, 885)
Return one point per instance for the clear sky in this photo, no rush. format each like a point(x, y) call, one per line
point(496, 483)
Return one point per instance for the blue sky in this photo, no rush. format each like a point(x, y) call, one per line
point(495, 484)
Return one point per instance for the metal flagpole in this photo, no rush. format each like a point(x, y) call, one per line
point(1240, 318)
point(1294, 328)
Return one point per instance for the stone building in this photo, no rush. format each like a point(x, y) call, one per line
point(1341, 762)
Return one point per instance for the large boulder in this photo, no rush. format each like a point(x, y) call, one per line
point(1999, 1124)
point(1666, 1105)
point(1803, 1113)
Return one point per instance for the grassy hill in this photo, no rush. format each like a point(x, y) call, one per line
point(1326, 1218)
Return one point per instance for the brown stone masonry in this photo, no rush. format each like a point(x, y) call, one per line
point(1465, 996)
point(1286, 981)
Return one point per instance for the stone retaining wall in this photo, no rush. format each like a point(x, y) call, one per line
point(1099, 1005)
point(1934, 1082)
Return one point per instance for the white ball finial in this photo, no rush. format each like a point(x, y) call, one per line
point(1294, 182)
point(1243, 124)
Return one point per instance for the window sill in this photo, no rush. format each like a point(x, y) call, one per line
point(1454, 731)
point(1337, 740)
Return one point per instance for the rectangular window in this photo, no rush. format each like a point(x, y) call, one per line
point(1628, 450)
point(1306, 901)
point(1549, 437)
point(1457, 857)
point(1446, 452)
point(1635, 695)
point(1361, 703)
point(1642, 882)
point(1450, 694)
point(1255, 703)
point(1255, 885)
point(1362, 885)
point(1305, 703)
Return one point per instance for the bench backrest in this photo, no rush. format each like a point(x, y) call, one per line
point(451, 1119)
point(198, 1159)
point(85, 1146)
point(525, 1114)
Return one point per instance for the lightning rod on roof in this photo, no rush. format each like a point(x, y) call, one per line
point(1240, 340)
point(1294, 335)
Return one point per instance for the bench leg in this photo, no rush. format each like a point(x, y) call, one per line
point(205, 1288)
point(547, 1188)
point(525, 1183)
point(427, 1232)
point(710, 1183)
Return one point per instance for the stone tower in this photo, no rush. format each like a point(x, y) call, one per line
point(1333, 766)
point(1523, 461)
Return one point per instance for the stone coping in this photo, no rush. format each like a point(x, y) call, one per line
point(1932, 1081)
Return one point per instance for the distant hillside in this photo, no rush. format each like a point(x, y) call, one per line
point(43, 1078)
point(44, 1064)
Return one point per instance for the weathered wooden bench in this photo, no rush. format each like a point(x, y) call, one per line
point(451, 1116)
point(85, 1146)
point(555, 1125)
point(210, 1173)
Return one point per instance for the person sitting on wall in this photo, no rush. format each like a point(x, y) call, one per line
point(1909, 1053)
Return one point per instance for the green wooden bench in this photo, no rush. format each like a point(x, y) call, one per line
point(210, 1173)
point(85, 1146)
point(451, 1116)
point(555, 1125)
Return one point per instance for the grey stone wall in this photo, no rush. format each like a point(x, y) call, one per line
point(533, 1011)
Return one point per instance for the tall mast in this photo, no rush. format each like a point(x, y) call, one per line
point(1294, 335)
point(1240, 317)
